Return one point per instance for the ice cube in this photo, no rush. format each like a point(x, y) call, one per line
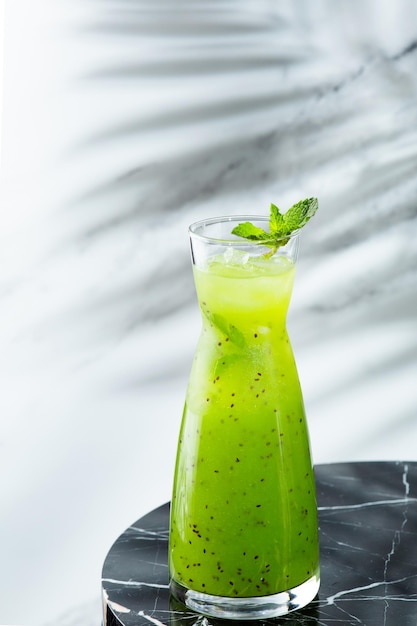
point(235, 257)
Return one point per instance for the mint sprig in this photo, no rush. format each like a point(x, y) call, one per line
point(281, 225)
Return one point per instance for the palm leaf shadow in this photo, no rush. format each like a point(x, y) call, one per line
point(287, 121)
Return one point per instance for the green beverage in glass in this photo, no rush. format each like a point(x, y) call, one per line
point(243, 529)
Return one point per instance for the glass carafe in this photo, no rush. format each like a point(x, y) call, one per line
point(243, 529)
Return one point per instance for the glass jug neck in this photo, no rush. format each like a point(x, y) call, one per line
point(240, 304)
point(243, 287)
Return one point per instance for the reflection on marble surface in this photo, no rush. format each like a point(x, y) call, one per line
point(367, 517)
point(125, 121)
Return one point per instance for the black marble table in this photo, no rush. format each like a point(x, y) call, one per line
point(368, 537)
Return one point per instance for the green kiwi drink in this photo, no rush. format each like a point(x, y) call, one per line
point(243, 528)
point(244, 515)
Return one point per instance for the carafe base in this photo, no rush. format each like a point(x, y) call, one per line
point(258, 607)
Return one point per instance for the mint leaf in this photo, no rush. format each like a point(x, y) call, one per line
point(247, 230)
point(298, 215)
point(276, 221)
point(281, 225)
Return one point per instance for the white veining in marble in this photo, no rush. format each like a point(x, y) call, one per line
point(133, 583)
point(124, 122)
point(152, 620)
